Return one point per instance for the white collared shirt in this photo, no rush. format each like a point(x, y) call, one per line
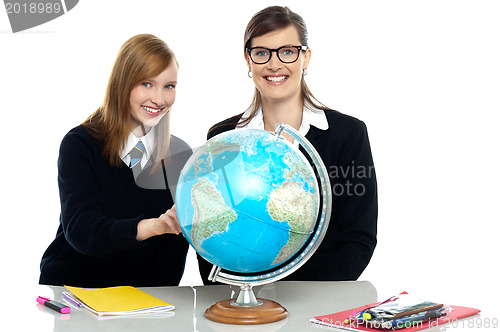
point(309, 118)
point(149, 141)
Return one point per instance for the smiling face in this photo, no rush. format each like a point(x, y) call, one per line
point(151, 99)
point(275, 80)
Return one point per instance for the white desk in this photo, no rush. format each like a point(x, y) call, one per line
point(303, 300)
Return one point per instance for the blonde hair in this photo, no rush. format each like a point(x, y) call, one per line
point(141, 57)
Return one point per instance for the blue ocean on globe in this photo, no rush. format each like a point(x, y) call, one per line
point(247, 200)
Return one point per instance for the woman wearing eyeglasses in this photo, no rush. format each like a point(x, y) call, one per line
point(277, 55)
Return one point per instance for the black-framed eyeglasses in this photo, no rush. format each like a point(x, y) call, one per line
point(286, 54)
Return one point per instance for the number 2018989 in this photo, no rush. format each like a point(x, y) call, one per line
point(33, 8)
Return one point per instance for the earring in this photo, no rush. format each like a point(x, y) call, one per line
point(304, 71)
point(250, 73)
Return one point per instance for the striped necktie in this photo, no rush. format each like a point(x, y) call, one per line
point(136, 154)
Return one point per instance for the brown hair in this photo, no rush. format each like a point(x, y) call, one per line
point(267, 20)
point(141, 57)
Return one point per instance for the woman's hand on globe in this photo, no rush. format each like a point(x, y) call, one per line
point(166, 223)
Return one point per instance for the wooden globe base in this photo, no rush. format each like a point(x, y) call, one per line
point(224, 312)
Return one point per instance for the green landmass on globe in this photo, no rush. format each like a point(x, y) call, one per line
point(291, 204)
point(212, 216)
point(247, 201)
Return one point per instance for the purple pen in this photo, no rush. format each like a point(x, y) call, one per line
point(67, 297)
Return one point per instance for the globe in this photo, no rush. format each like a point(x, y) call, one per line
point(248, 202)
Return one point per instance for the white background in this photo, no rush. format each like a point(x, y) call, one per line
point(423, 75)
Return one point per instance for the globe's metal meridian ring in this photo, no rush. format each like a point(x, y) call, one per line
point(326, 194)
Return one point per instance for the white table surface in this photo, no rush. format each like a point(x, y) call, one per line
point(303, 300)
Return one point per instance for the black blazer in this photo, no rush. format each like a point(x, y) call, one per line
point(101, 205)
point(352, 233)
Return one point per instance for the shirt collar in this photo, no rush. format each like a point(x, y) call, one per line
point(310, 117)
point(314, 117)
point(149, 141)
point(257, 122)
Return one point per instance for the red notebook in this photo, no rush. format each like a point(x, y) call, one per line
point(337, 320)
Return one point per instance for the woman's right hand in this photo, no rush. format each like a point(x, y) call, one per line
point(167, 223)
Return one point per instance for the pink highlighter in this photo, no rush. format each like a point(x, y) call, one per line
point(57, 306)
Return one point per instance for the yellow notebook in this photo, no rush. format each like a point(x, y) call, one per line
point(110, 301)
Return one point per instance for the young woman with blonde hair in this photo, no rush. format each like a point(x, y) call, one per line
point(118, 224)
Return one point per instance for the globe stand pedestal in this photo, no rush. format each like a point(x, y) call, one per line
point(246, 309)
